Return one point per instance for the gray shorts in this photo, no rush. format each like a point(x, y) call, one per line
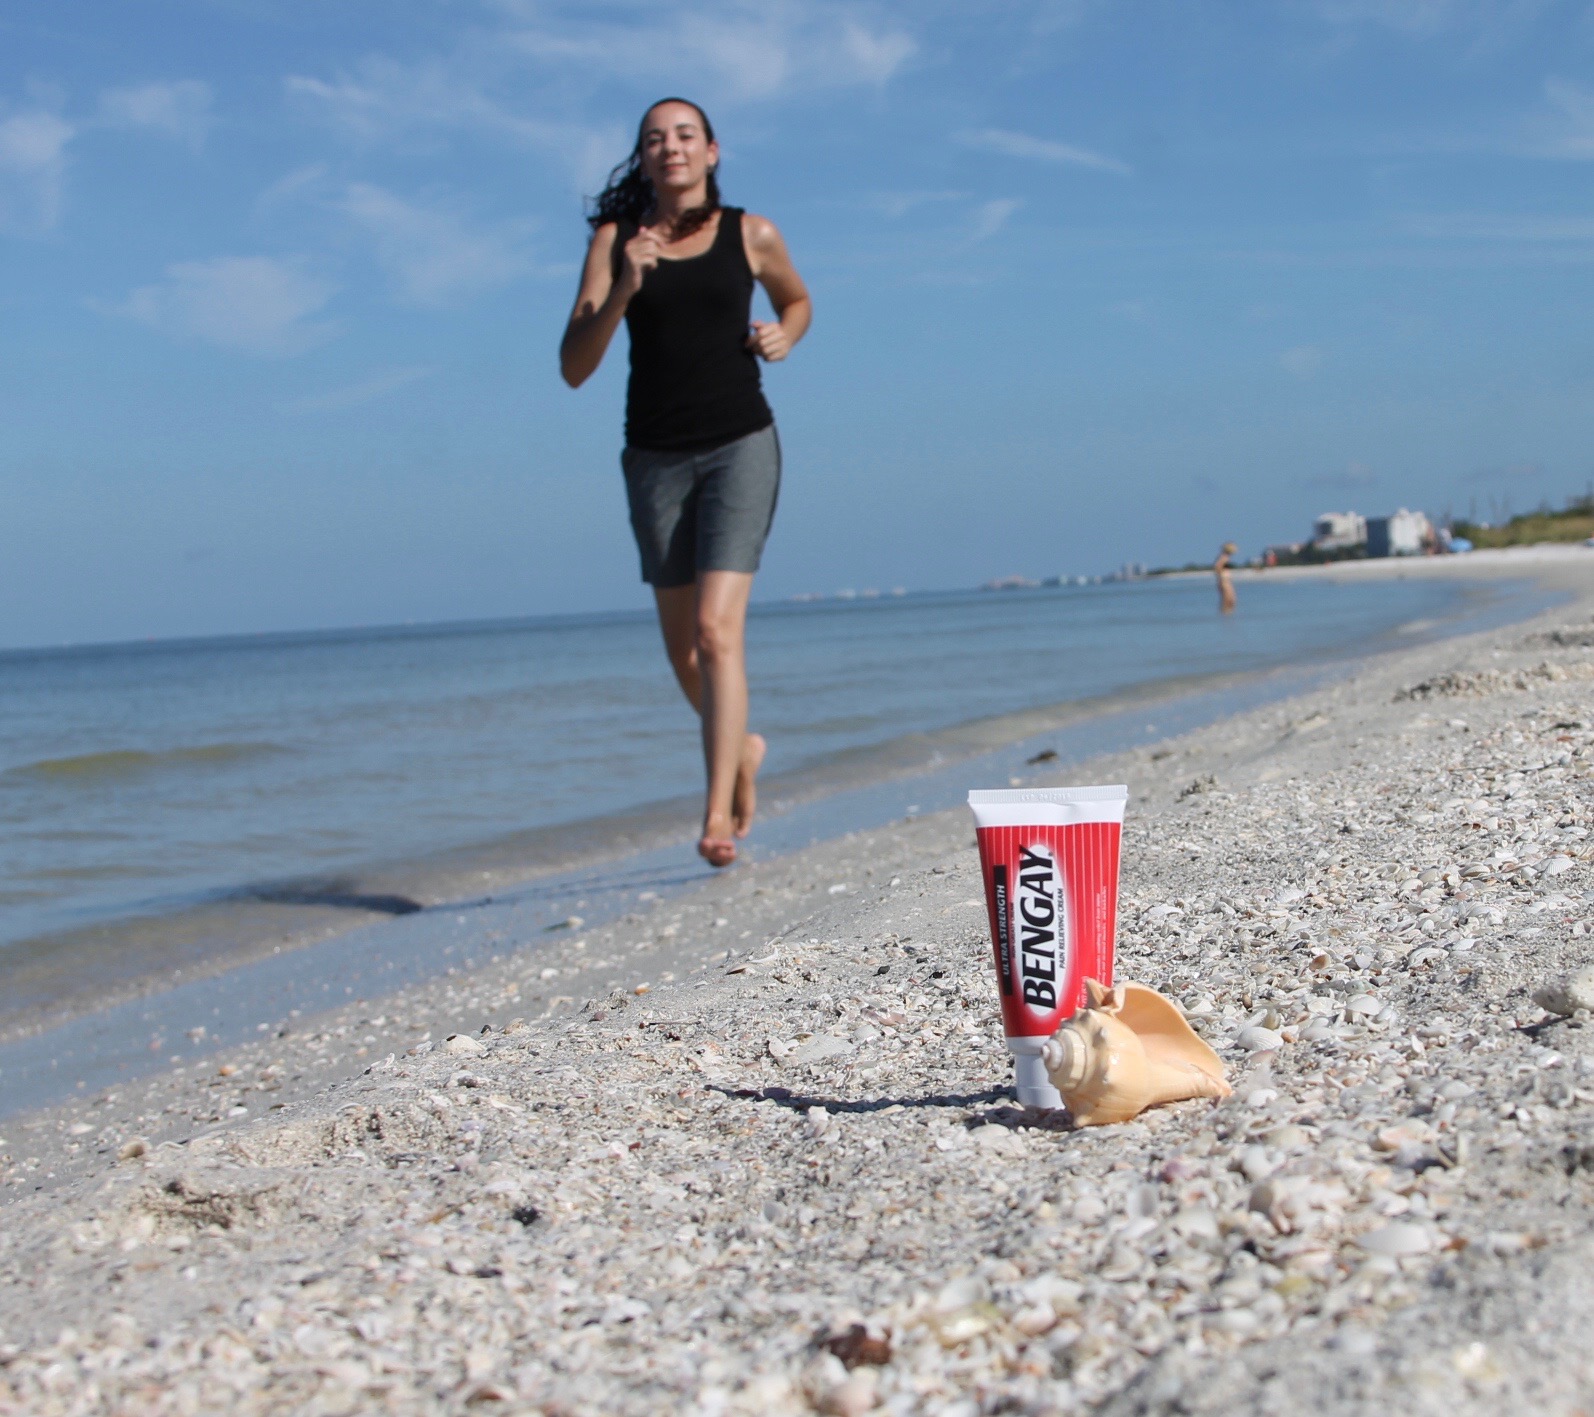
point(705, 511)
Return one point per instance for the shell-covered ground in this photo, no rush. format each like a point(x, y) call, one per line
point(791, 1178)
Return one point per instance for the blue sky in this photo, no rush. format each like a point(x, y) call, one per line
point(282, 286)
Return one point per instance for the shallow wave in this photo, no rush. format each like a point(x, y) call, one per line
point(123, 762)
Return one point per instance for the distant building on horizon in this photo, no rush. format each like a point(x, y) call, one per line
point(1341, 536)
point(1339, 531)
point(1401, 533)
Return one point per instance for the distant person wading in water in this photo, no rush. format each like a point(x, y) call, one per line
point(702, 460)
point(1220, 568)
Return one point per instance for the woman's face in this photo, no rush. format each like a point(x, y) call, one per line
point(676, 153)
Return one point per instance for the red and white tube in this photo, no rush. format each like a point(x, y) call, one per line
point(1050, 860)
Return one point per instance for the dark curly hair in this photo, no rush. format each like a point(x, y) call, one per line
point(628, 195)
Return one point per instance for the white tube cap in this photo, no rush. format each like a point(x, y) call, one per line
point(1034, 1087)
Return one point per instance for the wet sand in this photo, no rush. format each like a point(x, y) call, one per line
point(750, 1148)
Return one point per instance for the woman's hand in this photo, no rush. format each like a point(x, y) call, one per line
point(640, 256)
point(601, 301)
point(772, 268)
point(769, 340)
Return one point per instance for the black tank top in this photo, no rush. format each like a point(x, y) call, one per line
point(694, 383)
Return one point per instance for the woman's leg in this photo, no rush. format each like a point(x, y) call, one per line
point(722, 676)
point(678, 620)
point(704, 628)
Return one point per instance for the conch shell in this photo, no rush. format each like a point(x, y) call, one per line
point(1129, 1050)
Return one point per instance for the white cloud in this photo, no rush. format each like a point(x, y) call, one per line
point(302, 182)
point(1567, 131)
point(1303, 361)
point(364, 391)
point(520, 79)
point(992, 216)
point(743, 49)
point(898, 204)
point(251, 304)
point(386, 102)
point(433, 257)
point(1051, 16)
point(874, 58)
point(32, 171)
point(179, 110)
point(384, 99)
point(1009, 144)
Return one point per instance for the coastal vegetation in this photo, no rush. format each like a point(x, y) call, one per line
point(1574, 522)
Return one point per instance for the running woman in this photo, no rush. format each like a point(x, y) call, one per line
point(702, 459)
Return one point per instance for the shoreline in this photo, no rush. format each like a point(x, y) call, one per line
point(275, 918)
point(52, 980)
point(683, 1196)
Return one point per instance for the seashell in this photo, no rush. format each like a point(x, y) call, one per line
point(1129, 1050)
point(851, 1397)
point(1567, 995)
point(821, 1049)
point(1257, 1039)
point(962, 1325)
point(1399, 1239)
point(1410, 1132)
point(1064, 1297)
point(1254, 1163)
point(1196, 1224)
point(1035, 1320)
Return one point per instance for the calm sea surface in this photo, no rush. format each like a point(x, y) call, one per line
point(137, 779)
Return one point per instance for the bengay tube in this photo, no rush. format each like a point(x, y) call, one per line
point(1050, 860)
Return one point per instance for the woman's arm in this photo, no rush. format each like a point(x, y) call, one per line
point(772, 268)
point(601, 301)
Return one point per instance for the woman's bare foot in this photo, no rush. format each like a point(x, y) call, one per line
point(744, 801)
point(716, 846)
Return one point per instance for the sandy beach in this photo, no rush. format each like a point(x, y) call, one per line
point(754, 1150)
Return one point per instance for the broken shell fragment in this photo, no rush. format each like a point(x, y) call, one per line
point(1129, 1050)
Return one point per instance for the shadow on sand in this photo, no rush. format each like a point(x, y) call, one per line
point(993, 1107)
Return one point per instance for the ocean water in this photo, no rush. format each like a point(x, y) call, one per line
point(139, 780)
